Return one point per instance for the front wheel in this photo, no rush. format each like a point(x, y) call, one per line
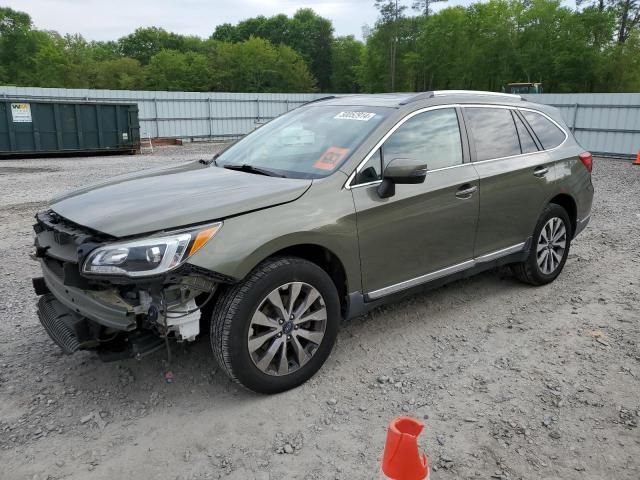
point(549, 248)
point(274, 330)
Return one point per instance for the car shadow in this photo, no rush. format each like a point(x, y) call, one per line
point(193, 376)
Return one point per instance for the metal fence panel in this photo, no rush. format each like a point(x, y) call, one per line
point(607, 123)
point(602, 122)
point(183, 114)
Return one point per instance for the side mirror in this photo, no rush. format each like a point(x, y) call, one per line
point(401, 171)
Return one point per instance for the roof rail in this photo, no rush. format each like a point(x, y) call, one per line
point(328, 97)
point(444, 93)
point(417, 97)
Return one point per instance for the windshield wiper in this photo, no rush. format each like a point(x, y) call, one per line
point(251, 169)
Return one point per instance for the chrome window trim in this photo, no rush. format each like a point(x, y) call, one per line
point(443, 272)
point(566, 135)
point(378, 182)
point(400, 122)
point(509, 107)
point(368, 184)
point(353, 174)
point(509, 157)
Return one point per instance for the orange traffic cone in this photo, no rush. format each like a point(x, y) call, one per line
point(401, 459)
point(637, 162)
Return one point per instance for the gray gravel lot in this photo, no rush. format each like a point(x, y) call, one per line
point(512, 382)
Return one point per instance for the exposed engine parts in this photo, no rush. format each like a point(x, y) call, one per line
point(175, 309)
point(184, 321)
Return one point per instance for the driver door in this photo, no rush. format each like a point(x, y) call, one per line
point(426, 230)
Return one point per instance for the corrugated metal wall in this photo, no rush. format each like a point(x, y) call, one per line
point(602, 122)
point(183, 114)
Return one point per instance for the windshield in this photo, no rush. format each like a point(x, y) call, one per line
point(310, 142)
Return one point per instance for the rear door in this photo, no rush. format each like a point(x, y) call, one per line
point(423, 228)
point(514, 174)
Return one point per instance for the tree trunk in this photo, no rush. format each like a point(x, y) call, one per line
point(392, 64)
point(624, 18)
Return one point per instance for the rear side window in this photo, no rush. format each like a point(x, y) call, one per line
point(494, 133)
point(432, 136)
point(527, 144)
point(548, 133)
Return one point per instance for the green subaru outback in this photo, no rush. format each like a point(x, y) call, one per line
point(318, 216)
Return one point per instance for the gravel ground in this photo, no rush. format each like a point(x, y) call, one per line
point(511, 381)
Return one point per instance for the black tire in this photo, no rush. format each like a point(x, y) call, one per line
point(234, 309)
point(529, 271)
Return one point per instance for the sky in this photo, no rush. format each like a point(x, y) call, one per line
point(111, 19)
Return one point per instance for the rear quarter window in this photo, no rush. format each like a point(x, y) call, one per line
point(548, 133)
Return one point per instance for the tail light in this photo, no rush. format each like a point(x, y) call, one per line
point(587, 160)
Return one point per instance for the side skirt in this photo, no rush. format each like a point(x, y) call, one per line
point(360, 304)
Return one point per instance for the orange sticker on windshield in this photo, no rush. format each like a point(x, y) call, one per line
point(331, 158)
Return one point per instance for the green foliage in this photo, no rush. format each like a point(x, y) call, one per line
point(346, 53)
point(255, 65)
point(119, 74)
point(144, 43)
point(312, 36)
point(482, 46)
point(176, 71)
point(50, 64)
point(19, 45)
point(306, 32)
point(152, 58)
point(487, 45)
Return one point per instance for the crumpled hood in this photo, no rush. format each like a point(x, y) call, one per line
point(168, 198)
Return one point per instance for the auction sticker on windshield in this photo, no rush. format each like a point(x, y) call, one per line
point(362, 116)
point(331, 158)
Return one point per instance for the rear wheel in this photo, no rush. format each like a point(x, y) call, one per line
point(275, 329)
point(549, 248)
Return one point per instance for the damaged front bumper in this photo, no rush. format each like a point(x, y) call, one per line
point(73, 332)
point(101, 306)
point(118, 317)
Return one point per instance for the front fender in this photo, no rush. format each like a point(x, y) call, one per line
point(324, 216)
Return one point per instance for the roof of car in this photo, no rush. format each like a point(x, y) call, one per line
point(412, 101)
point(396, 100)
point(368, 100)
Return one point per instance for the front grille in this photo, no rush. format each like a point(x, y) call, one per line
point(57, 321)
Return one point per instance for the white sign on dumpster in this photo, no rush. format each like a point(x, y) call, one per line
point(21, 112)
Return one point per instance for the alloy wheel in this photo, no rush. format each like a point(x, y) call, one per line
point(552, 243)
point(287, 328)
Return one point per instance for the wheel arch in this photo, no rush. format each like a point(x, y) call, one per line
point(567, 202)
point(339, 264)
point(325, 259)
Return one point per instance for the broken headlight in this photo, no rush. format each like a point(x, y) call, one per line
point(150, 256)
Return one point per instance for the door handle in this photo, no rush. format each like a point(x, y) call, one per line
point(540, 172)
point(466, 190)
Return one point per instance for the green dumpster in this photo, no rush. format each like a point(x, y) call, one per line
point(38, 127)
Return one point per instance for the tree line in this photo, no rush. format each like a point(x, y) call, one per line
point(595, 47)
